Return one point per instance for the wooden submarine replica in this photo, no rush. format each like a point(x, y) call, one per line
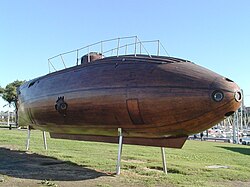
point(154, 100)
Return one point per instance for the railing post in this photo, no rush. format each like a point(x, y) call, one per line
point(158, 48)
point(49, 65)
point(118, 45)
point(88, 55)
point(77, 57)
point(135, 44)
point(101, 48)
point(140, 47)
point(63, 61)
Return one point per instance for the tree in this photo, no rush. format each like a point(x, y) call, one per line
point(9, 94)
point(1, 90)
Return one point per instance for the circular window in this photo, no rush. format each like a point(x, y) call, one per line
point(238, 96)
point(217, 96)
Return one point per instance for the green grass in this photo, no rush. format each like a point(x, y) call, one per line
point(142, 165)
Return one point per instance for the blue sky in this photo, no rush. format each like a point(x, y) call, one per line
point(214, 34)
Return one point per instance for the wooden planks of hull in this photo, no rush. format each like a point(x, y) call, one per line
point(146, 97)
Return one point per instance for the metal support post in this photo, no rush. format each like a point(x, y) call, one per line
point(118, 165)
point(164, 164)
point(241, 116)
point(28, 139)
point(45, 141)
point(236, 128)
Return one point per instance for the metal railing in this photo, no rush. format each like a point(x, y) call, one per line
point(131, 45)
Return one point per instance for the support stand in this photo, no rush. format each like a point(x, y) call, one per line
point(118, 166)
point(164, 164)
point(45, 141)
point(28, 140)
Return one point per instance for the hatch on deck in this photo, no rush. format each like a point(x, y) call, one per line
point(91, 57)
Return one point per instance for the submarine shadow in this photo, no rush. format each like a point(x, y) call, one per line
point(241, 150)
point(19, 164)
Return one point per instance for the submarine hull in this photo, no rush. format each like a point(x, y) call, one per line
point(158, 99)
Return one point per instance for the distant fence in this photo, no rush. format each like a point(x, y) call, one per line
point(5, 124)
point(211, 139)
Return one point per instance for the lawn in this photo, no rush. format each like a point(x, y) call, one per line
point(140, 166)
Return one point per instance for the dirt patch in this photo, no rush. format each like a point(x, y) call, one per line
point(133, 161)
point(154, 169)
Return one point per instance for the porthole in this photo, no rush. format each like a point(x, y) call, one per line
point(217, 96)
point(238, 96)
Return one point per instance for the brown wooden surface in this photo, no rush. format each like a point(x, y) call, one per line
point(134, 111)
point(147, 98)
